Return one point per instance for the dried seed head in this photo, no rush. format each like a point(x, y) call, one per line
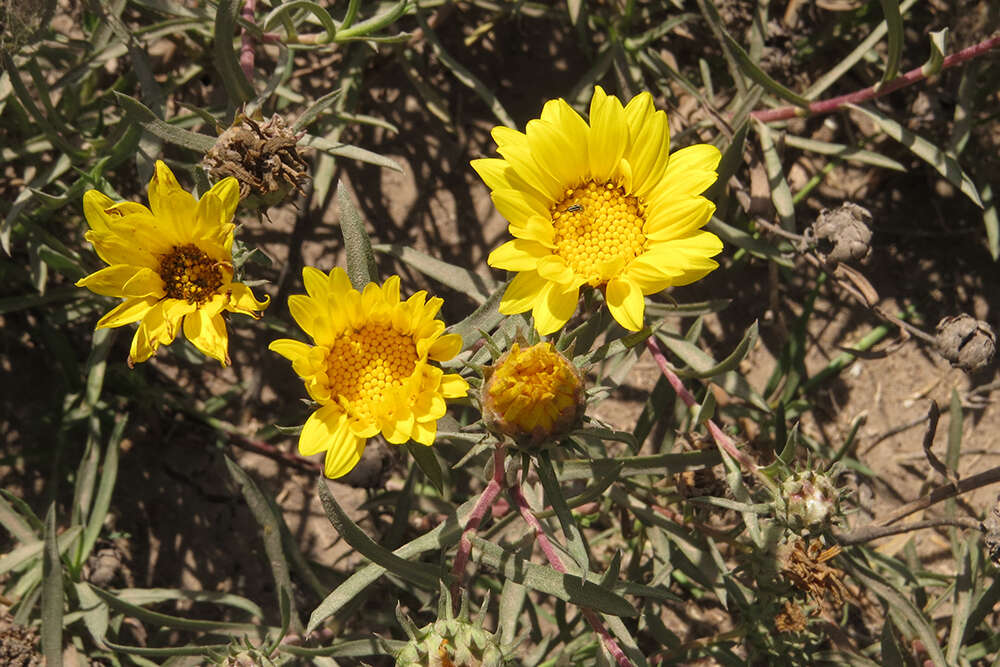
point(842, 234)
point(811, 500)
point(991, 539)
point(966, 342)
point(262, 157)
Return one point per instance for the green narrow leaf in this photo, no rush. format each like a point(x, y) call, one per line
point(629, 466)
point(894, 22)
point(568, 587)
point(270, 528)
point(464, 76)
point(102, 500)
point(347, 151)
point(848, 153)
point(939, 40)
point(168, 652)
point(226, 59)
point(945, 165)
point(360, 258)
point(16, 524)
point(756, 74)
point(52, 594)
point(732, 159)
point(158, 620)
point(352, 648)
point(457, 278)
point(575, 542)
point(482, 319)
point(781, 194)
point(690, 353)
point(962, 600)
point(428, 463)
point(991, 220)
point(741, 239)
point(512, 599)
point(147, 596)
point(95, 612)
point(374, 24)
point(312, 113)
point(421, 574)
point(141, 114)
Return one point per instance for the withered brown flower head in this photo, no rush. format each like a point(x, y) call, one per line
point(790, 619)
point(842, 234)
point(966, 342)
point(806, 568)
point(263, 157)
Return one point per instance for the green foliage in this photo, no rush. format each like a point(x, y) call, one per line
point(633, 525)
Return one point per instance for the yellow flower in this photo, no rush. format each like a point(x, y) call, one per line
point(533, 395)
point(370, 368)
point(603, 204)
point(173, 265)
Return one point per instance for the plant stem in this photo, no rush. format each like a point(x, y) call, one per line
point(876, 91)
point(247, 40)
point(556, 562)
point(869, 533)
point(723, 441)
point(485, 501)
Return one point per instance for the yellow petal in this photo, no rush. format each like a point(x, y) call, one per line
point(558, 152)
point(513, 146)
point(111, 280)
point(317, 283)
point(122, 249)
point(557, 305)
point(445, 347)
point(424, 433)
point(172, 205)
point(651, 275)
point(689, 172)
point(516, 206)
point(228, 192)
point(649, 149)
point(518, 255)
point(453, 386)
point(555, 269)
point(95, 209)
point(318, 432)
point(290, 349)
point(536, 228)
point(126, 312)
point(208, 334)
point(153, 331)
point(390, 291)
point(684, 215)
point(302, 309)
point(608, 134)
point(145, 282)
point(626, 303)
point(242, 300)
point(522, 293)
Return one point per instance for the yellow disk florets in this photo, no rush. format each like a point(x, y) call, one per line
point(189, 274)
point(533, 395)
point(596, 226)
point(363, 365)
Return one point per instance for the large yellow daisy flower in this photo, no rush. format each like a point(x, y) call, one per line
point(603, 204)
point(370, 368)
point(173, 265)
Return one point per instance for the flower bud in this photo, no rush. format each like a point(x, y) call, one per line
point(966, 342)
point(842, 234)
point(451, 640)
point(811, 500)
point(262, 156)
point(533, 395)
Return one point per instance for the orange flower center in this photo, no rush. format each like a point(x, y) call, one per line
point(532, 391)
point(363, 366)
point(598, 230)
point(189, 274)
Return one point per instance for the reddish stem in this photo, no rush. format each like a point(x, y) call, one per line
point(556, 562)
point(247, 41)
point(872, 92)
point(472, 523)
point(721, 439)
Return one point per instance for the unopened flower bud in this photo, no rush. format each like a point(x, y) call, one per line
point(842, 234)
point(966, 342)
point(262, 156)
point(451, 640)
point(811, 499)
point(533, 395)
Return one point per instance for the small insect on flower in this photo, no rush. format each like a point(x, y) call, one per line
point(575, 208)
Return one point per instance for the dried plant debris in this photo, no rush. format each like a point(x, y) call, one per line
point(991, 528)
point(966, 342)
point(790, 619)
point(263, 157)
point(18, 645)
point(842, 234)
point(806, 568)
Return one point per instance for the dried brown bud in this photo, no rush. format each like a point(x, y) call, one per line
point(842, 234)
point(991, 539)
point(262, 157)
point(966, 342)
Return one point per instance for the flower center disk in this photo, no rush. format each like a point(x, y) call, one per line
point(598, 227)
point(189, 274)
point(364, 365)
point(534, 389)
